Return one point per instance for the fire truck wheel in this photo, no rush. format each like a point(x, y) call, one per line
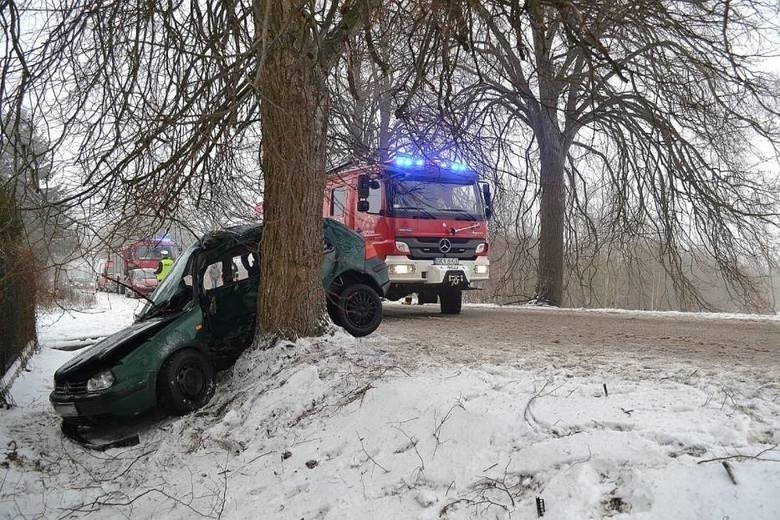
point(451, 301)
point(359, 310)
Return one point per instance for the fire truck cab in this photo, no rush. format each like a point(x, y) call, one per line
point(140, 254)
point(426, 219)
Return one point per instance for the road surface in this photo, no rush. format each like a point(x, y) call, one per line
point(582, 341)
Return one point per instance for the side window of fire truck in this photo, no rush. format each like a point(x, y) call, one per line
point(338, 202)
point(375, 197)
point(464, 197)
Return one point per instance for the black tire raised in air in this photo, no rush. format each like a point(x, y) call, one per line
point(451, 300)
point(186, 382)
point(332, 306)
point(359, 310)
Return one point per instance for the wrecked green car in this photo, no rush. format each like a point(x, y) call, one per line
point(199, 320)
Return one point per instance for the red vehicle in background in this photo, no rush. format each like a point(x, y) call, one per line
point(426, 219)
point(141, 254)
point(140, 282)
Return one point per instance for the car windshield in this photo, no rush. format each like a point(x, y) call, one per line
point(434, 198)
point(173, 285)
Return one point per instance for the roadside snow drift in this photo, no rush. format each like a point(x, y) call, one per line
point(338, 428)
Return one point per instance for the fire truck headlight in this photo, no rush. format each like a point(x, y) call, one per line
point(402, 247)
point(402, 268)
point(481, 269)
point(481, 248)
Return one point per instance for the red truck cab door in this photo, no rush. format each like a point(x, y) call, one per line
point(373, 223)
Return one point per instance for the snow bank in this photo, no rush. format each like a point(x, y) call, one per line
point(335, 427)
point(632, 312)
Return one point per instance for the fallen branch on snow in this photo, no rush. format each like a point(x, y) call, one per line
point(757, 456)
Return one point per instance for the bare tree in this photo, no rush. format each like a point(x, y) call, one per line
point(661, 98)
point(151, 104)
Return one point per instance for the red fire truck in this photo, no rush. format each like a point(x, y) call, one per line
point(427, 219)
point(141, 254)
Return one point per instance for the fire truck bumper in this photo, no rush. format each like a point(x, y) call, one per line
point(428, 272)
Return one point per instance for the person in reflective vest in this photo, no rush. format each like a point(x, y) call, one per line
point(163, 266)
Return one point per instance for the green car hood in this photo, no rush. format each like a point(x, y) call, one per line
point(107, 352)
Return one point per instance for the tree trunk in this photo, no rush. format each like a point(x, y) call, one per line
point(17, 289)
point(291, 86)
point(549, 282)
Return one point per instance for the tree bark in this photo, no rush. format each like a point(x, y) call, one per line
point(549, 282)
point(293, 104)
point(17, 288)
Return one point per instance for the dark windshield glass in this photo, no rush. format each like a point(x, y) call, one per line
point(440, 199)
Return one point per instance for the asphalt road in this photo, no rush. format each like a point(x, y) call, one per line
point(580, 340)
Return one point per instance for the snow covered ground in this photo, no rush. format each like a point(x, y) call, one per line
point(341, 428)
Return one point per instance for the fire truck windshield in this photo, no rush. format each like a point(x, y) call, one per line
point(435, 199)
point(151, 253)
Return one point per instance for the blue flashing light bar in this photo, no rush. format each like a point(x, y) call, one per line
point(405, 161)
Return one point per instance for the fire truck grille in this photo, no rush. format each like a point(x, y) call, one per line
point(428, 248)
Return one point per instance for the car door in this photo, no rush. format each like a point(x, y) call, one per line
point(230, 287)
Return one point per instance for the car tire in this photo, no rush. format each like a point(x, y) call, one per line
point(185, 382)
point(451, 301)
point(359, 310)
point(332, 308)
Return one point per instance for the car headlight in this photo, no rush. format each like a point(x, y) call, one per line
point(101, 381)
point(402, 268)
point(481, 248)
point(402, 247)
point(481, 269)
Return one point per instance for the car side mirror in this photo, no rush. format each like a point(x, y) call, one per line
point(363, 186)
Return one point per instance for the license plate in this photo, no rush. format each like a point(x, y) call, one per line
point(455, 278)
point(445, 261)
point(66, 410)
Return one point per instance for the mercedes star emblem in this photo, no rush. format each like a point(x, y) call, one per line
point(445, 245)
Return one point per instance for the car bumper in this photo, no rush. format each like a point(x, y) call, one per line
point(424, 272)
point(122, 401)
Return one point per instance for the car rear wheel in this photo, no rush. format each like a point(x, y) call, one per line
point(332, 306)
point(186, 382)
point(359, 310)
point(451, 301)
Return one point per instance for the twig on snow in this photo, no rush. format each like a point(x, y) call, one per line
point(369, 456)
point(413, 441)
point(727, 467)
point(528, 414)
point(440, 424)
point(757, 456)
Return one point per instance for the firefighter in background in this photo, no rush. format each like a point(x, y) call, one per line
point(163, 266)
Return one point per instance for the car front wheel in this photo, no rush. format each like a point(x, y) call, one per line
point(186, 382)
point(359, 310)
